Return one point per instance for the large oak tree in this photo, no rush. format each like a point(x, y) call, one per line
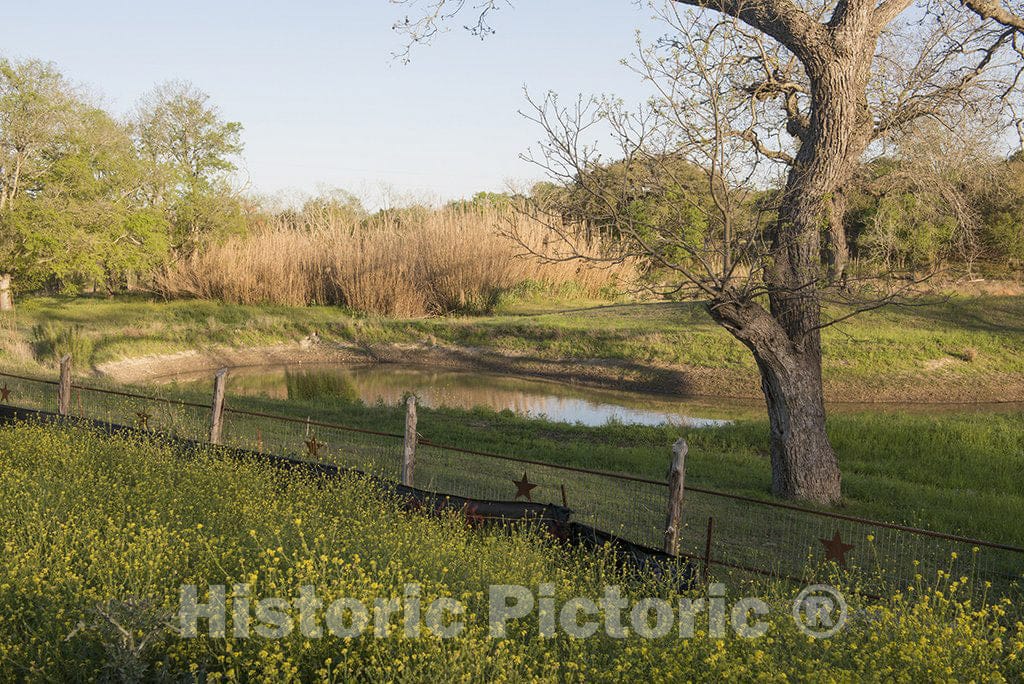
point(804, 87)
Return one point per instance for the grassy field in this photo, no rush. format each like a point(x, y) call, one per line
point(100, 533)
point(958, 471)
point(966, 347)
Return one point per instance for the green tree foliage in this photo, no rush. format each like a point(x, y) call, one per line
point(192, 148)
point(87, 201)
point(1002, 209)
point(485, 200)
point(330, 208)
point(34, 104)
point(666, 201)
point(86, 221)
point(907, 231)
point(667, 194)
point(908, 218)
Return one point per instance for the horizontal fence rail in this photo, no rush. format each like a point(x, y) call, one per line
point(716, 529)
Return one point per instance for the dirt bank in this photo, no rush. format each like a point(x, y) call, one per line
point(610, 374)
point(937, 385)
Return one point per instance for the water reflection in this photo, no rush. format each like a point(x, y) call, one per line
point(391, 383)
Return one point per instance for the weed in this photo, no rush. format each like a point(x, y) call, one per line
point(51, 341)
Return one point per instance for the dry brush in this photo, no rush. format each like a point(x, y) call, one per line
point(394, 264)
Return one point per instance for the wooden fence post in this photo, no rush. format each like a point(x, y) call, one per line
point(6, 297)
point(217, 408)
point(64, 387)
point(409, 452)
point(676, 483)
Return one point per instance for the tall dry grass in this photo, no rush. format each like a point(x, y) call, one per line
point(407, 263)
point(13, 345)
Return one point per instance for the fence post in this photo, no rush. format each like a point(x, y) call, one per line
point(64, 387)
point(707, 549)
point(217, 408)
point(676, 483)
point(6, 298)
point(409, 451)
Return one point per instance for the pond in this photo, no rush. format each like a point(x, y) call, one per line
point(390, 383)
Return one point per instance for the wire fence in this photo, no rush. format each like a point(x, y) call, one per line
point(632, 508)
point(726, 531)
point(374, 452)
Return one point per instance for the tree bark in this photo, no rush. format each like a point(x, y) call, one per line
point(6, 294)
point(837, 251)
point(804, 466)
point(786, 340)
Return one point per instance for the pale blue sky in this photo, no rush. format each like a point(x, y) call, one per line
point(320, 97)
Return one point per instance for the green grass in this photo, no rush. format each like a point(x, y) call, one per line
point(99, 534)
point(136, 326)
point(958, 472)
point(883, 348)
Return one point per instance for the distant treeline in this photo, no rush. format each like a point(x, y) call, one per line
point(935, 205)
point(90, 202)
point(87, 200)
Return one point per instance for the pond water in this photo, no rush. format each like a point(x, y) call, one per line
point(390, 383)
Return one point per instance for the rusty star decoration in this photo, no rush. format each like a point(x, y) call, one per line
point(5, 393)
point(313, 446)
point(524, 487)
point(836, 549)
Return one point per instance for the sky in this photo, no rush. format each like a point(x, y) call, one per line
point(321, 98)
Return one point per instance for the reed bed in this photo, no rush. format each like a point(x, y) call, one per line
point(407, 264)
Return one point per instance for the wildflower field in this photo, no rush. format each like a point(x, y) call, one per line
point(100, 533)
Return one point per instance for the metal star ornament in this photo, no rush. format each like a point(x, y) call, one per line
point(524, 487)
point(5, 393)
point(836, 549)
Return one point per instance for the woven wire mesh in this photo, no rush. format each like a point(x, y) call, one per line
point(180, 419)
point(377, 453)
point(631, 509)
point(786, 542)
point(28, 392)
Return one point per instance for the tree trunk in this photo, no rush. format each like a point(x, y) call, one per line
point(786, 342)
point(838, 252)
point(6, 295)
point(804, 466)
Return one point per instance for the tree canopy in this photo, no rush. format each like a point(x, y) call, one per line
point(87, 200)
